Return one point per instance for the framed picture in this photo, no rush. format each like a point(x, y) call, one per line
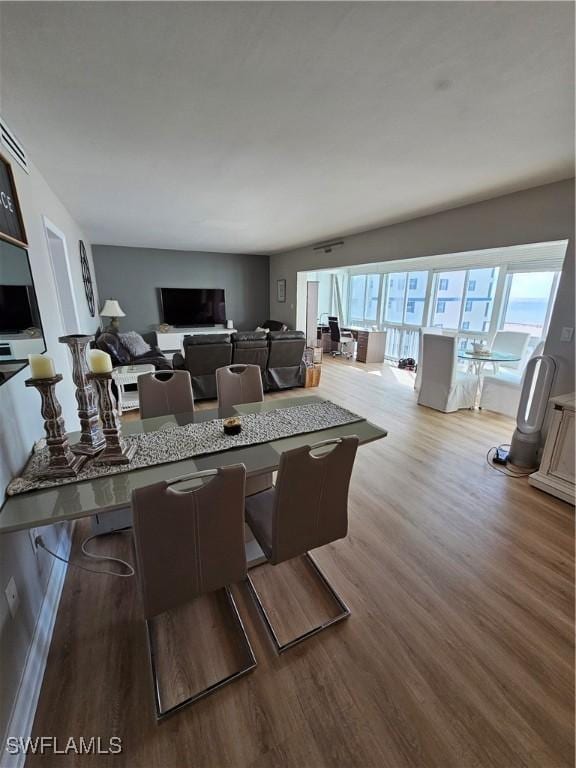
point(281, 291)
point(11, 223)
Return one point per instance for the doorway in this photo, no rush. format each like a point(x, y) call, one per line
point(62, 277)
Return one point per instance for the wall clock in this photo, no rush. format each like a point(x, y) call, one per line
point(87, 279)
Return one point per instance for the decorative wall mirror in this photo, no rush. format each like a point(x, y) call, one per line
point(20, 326)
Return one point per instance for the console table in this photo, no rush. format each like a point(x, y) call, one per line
point(556, 473)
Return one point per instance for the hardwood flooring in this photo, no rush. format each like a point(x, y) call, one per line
point(459, 651)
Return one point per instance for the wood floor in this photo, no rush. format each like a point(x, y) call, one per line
point(459, 651)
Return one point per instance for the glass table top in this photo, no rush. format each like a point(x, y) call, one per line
point(491, 357)
point(104, 494)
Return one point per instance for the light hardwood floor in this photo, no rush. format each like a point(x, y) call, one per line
point(459, 650)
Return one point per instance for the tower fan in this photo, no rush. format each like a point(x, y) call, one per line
point(536, 388)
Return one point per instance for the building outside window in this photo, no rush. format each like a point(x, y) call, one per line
point(468, 306)
point(443, 284)
point(465, 325)
point(471, 285)
point(440, 307)
point(413, 283)
point(394, 312)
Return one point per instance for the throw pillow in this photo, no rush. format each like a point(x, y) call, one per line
point(134, 343)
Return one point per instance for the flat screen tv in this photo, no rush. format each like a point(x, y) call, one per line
point(193, 306)
point(15, 308)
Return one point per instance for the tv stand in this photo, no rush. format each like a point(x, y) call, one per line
point(173, 341)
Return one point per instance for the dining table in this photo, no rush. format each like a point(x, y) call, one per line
point(109, 493)
point(479, 359)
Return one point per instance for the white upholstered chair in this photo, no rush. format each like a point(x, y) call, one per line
point(443, 387)
point(421, 332)
point(501, 392)
point(511, 343)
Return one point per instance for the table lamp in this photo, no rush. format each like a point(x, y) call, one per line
point(113, 310)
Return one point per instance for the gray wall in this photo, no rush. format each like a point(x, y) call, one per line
point(534, 215)
point(133, 276)
point(21, 425)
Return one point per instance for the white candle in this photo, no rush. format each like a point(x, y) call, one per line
point(41, 367)
point(99, 361)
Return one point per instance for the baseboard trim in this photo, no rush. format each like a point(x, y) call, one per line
point(26, 701)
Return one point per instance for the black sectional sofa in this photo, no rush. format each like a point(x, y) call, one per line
point(279, 355)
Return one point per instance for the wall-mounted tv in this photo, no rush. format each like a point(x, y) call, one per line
point(16, 309)
point(193, 306)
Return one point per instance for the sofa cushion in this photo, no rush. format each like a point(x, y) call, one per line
point(249, 336)
point(134, 343)
point(112, 344)
point(207, 338)
point(285, 335)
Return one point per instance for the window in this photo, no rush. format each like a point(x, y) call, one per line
point(364, 297)
point(458, 310)
point(479, 310)
point(394, 312)
point(357, 291)
point(406, 298)
point(449, 306)
point(529, 298)
point(415, 298)
point(372, 295)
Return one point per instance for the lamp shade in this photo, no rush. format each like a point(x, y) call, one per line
point(111, 308)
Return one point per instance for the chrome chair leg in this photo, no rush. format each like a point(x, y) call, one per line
point(281, 647)
point(246, 647)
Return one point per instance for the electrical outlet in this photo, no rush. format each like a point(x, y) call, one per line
point(33, 534)
point(566, 334)
point(12, 597)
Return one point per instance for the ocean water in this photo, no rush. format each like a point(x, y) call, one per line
point(526, 311)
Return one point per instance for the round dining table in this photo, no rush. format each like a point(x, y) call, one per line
point(478, 359)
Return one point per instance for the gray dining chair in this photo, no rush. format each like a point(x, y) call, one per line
point(164, 392)
point(307, 508)
point(237, 385)
point(190, 542)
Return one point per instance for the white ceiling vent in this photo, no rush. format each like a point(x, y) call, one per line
point(9, 140)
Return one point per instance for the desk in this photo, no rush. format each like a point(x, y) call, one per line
point(106, 494)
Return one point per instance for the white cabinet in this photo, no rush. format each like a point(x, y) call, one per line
point(556, 473)
point(17, 346)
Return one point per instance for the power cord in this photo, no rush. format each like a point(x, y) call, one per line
point(39, 541)
point(504, 471)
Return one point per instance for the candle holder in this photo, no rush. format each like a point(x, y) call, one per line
point(62, 462)
point(116, 451)
point(91, 436)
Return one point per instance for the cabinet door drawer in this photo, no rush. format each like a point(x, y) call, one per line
point(563, 455)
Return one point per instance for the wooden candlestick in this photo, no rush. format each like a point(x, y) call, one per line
point(116, 451)
point(91, 436)
point(62, 462)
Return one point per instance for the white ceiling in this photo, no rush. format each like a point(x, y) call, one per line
point(257, 127)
